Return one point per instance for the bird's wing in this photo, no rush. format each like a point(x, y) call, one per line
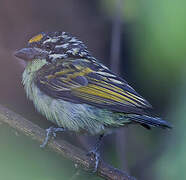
point(84, 81)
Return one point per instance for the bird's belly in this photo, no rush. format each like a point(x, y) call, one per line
point(74, 117)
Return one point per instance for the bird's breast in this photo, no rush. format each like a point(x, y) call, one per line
point(74, 117)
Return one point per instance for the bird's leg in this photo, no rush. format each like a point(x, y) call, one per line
point(51, 131)
point(96, 151)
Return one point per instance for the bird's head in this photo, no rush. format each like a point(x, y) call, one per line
point(52, 46)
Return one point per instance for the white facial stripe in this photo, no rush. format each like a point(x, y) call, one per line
point(73, 40)
point(53, 40)
point(75, 44)
point(65, 36)
point(56, 56)
point(83, 53)
point(62, 46)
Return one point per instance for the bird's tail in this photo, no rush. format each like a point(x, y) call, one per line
point(148, 122)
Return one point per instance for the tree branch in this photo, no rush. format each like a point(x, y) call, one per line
point(63, 148)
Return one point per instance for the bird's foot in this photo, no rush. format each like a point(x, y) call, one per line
point(51, 131)
point(96, 156)
point(95, 152)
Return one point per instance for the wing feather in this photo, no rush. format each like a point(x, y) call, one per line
point(91, 83)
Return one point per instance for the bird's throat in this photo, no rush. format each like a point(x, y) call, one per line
point(30, 72)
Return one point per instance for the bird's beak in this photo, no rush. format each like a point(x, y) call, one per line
point(28, 54)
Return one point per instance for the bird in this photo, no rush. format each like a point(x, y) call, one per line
point(77, 92)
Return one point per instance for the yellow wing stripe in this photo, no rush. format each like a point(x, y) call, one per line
point(135, 97)
point(115, 94)
point(64, 71)
point(59, 73)
point(94, 99)
point(84, 72)
point(105, 93)
point(100, 94)
point(119, 90)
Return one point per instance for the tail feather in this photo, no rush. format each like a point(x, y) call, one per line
point(148, 122)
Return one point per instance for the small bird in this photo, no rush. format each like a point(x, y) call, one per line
point(76, 92)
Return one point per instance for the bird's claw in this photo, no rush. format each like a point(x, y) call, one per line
point(96, 156)
point(51, 131)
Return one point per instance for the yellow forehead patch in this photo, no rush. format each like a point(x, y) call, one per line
point(36, 38)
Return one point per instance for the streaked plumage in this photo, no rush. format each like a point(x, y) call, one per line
point(75, 91)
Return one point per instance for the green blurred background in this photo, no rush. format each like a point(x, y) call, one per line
point(151, 36)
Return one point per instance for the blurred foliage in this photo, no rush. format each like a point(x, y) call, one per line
point(22, 159)
point(172, 165)
point(158, 50)
point(161, 40)
point(158, 40)
point(129, 9)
